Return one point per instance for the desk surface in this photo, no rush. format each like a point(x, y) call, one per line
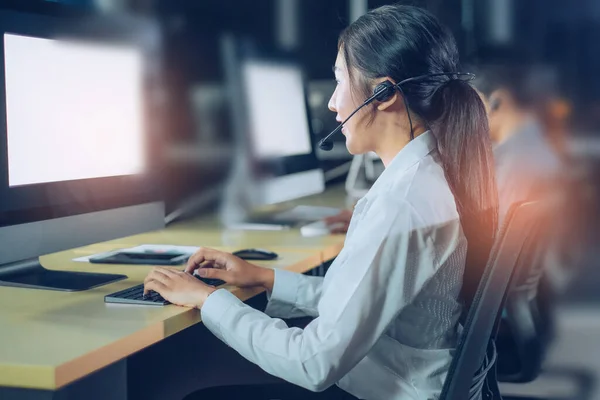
point(49, 339)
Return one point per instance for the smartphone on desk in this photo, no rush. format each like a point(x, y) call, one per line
point(145, 258)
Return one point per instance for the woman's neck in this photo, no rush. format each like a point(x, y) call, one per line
point(393, 138)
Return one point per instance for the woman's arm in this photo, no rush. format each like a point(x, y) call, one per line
point(294, 295)
point(386, 264)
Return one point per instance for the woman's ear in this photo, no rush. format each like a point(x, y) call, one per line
point(384, 105)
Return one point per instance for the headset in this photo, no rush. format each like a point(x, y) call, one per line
point(384, 91)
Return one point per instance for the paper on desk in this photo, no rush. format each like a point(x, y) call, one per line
point(145, 247)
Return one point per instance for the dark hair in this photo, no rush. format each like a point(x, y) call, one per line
point(400, 42)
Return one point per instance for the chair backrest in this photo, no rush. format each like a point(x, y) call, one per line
point(476, 340)
point(527, 311)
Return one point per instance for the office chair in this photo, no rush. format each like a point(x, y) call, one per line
point(472, 373)
point(527, 326)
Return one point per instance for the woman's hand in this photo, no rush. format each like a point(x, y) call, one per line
point(178, 287)
point(215, 264)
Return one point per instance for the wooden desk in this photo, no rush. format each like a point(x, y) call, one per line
point(50, 339)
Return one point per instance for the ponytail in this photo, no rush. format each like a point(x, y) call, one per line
point(401, 42)
point(464, 145)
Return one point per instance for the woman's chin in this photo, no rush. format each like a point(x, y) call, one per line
point(353, 148)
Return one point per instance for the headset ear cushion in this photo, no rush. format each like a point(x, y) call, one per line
point(384, 91)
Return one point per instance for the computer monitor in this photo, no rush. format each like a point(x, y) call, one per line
point(271, 122)
point(73, 143)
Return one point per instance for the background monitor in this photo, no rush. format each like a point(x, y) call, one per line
point(74, 144)
point(276, 104)
point(271, 123)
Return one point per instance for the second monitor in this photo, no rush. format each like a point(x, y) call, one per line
point(275, 159)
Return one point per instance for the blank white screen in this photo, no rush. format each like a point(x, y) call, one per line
point(277, 110)
point(74, 110)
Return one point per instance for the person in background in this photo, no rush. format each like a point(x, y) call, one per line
point(527, 165)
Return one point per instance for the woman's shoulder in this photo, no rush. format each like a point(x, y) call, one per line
point(424, 191)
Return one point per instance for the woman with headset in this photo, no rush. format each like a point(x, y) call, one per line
point(386, 315)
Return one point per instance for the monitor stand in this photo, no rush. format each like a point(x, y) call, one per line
point(31, 274)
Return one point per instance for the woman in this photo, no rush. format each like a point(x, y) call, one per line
point(386, 313)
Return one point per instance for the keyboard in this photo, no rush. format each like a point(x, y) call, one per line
point(135, 294)
point(293, 216)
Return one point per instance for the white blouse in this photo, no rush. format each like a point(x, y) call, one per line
point(386, 313)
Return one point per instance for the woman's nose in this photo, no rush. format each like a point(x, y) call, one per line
point(331, 104)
